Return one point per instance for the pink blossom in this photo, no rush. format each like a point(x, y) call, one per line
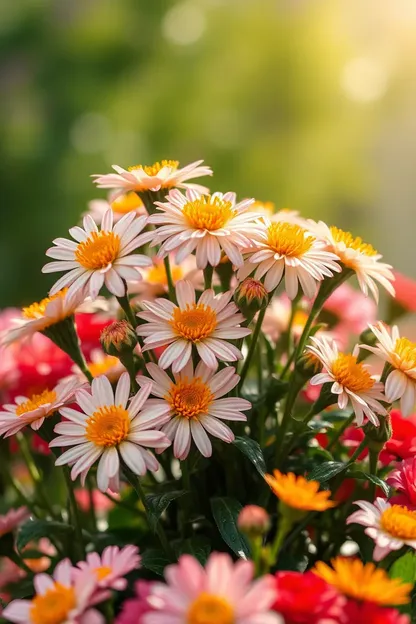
point(133, 609)
point(12, 519)
point(404, 480)
point(110, 568)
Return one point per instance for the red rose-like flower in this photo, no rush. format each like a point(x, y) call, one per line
point(370, 613)
point(404, 480)
point(89, 327)
point(352, 438)
point(402, 443)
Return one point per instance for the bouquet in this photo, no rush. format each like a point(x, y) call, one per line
point(192, 431)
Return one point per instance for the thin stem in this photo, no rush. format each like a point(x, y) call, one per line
point(75, 516)
point(252, 348)
point(93, 516)
point(127, 309)
point(373, 458)
point(171, 285)
point(284, 527)
point(208, 272)
point(347, 422)
point(294, 390)
point(127, 359)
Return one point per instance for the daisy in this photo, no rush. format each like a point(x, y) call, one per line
point(99, 257)
point(161, 175)
point(206, 224)
point(223, 592)
point(121, 205)
point(207, 325)
point(109, 426)
point(111, 567)
point(351, 380)
point(100, 364)
point(34, 409)
point(154, 281)
point(12, 519)
point(400, 353)
point(194, 405)
point(58, 600)
point(298, 493)
point(390, 526)
point(287, 249)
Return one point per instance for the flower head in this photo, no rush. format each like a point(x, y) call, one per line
point(118, 336)
point(253, 520)
point(369, 613)
point(120, 205)
point(12, 519)
point(192, 403)
point(206, 325)
point(298, 493)
point(134, 608)
point(155, 281)
point(403, 479)
point(111, 567)
point(402, 443)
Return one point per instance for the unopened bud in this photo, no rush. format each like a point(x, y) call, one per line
point(118, 337)
point(308, 365)
point(251, 296)
point(254, 521)
point(378, 436)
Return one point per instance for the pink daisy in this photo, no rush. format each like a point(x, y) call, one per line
point(111, 567)
point(133, 609)
point(12, 519)
point(120, 205)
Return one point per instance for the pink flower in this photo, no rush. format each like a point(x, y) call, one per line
point(223, 591)
point(352, 309)
point(405, 289)
point(404, 480)
point(110, 568)
point(100, 501)
point(12, 519)
point(133, 609)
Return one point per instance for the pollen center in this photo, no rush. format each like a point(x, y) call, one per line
point(54, 606)
point(288, 239)
point(102, 572)
point(194, 323)
point(351, 374)
point(350, 242)
point(37, 310)
point(399, 522)
point(126, 203)
point(103, 366)
point(208, 213)
point(153, 170)
point(404, 354)
point(98, 251)
point(35, 401)
point(189, 399)
point(208, 608)
point(108, 426)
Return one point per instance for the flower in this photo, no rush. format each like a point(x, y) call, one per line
point(100, 364)
point(403, 479)
point(109, 425)
point(363, 582)
point(222, 592)
point(400, 353)
point(253, 520)
point(118, 336)
point(356, 612)
point(402, 443)
point(193, 405)
point(206, 224)
point(206, 325)
point(155, 282)
point(161, 175)
point(99, 257)
point(298, 493)
point(350, 379)
point(134, 608)
point(58, 600)
point(34, 409)
point(111, 567)
point(390, 526)
point(405, 288)
point(120, 205)
point(289, 250)
point(12, 519)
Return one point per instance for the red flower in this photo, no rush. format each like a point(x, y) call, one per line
point(404, 480)
point(370, 613)
point(352, 438)
point(89, 327)
point(402, 443)
point(133, 609)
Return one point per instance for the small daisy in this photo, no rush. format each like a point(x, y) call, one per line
point(400, 353)
point(223, 592)
point(298, 493)
point(287, 249)
point(207, 325)
point(110, 425)
point(194, 405)
point(121, 205)
point(351, 380)
point(99, 257)
point(206, 224)
point(100, 364)
point(390, 526)
point(161, 175)
point(34, 409)
point(154, 281)
point(12, 519)
point(111, 567)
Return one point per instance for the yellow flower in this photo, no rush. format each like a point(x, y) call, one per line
point(298, 493)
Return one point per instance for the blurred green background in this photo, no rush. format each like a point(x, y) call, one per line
point(308, 103)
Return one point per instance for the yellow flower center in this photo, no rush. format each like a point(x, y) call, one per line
point(126, 203)
point(102, 572)
point(399, 522)
point(350, 242)
point(103, 366)
point(288, 239)
point(37, 310)
point(351, 374)
point(404, 354)
point(108, 426)
point(157, 274)
point(298, 493)
point(98, 251)
point(266, 207)
point(35, 401)
point(208, 213)
point(54, 606)
point(189, 399)
point(194, 323)
point(210, 609)
point(153, 170)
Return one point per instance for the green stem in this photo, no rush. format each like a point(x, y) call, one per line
point(284, 527)
point(93, 516)
point(171, 285)
point(127, 309)
point(127, 359)
point(347, 422)
point(252, 348)
point(208, 272)
point(294, 390)
point(79, 547)
point(35, 474)
point(373, 458)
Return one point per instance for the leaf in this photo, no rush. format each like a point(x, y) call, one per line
point(251, 449)
point(360, 474)
point(35, 529)
point(326, 471)
point(158, 503)
point(405, 568)
point(199, 547)
point(155, 560)
point(225, 511)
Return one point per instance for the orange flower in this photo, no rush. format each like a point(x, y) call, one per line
point(298, 493)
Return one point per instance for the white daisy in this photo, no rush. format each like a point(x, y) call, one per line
point(207, 325)
point(194, 405)
point(109, 426)
point(121, 205)
point(99, 257)
point(155, 282)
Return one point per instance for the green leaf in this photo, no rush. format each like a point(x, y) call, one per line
point(35, 529)
point(360, 474)
point(251, 449)
point(199, 547)
point(155, 560)
point(158, 503)
point(325, 471)
point(225, 511)
point(405, 568)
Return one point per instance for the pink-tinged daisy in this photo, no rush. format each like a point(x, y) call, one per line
point(390, 526)
point(155, 282)
point(58, 600)
point(99, 256)
point(285, 249)
point(207, 325)
point(12, 519)
point(400, 353)
point(194, 405)
point(161, 175)
point(223, 592)
point(121, 205)
point(111, 567)
point(110, 426)
point(204, 224)
point(100, 364)
point(351, 380)
point(34, 409)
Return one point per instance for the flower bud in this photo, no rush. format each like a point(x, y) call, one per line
point(378, 436)
point(254, 521)
point(118, 337)
point(308, 365)
point(251, 296)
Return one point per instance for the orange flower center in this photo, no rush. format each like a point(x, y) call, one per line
point(208, 608)
point(37, 310)
point(108, 426)
point(103, 366)
point(404, 354)
point(157, 274)
point(102, 572)
point(194, 323)
point(35, 401)
point(208, 213)
point(399, 522)
point(98, 251)
point(350, 242)
point(54, 606)
point(288, 239)
point(153, 170)
point(351, 374)
point(189, 399)
point(126, 203)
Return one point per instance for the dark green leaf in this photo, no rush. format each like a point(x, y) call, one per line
point(199, 547)
point(155, 560)
point(251, 449)
point(158, 503)
point(35, 529)
point(225, 511)
point(405, 568)
point(360, 474)
point(23, 589)
point(325, 471)
point(288, 561)
point(337, 415)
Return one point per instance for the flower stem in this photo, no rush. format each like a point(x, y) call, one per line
point(127, 309)
point(373, 458)
point(284, 527)
point(252, 348)
point(75, 516)
point(171, 285)
point(208, 272)
point(294, 389)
